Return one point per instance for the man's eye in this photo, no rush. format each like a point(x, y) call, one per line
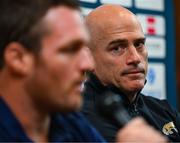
point(68, 50)
point(139, 45)
point(71, 49)
point(117, 50)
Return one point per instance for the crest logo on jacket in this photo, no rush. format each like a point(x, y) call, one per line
point(169, 128)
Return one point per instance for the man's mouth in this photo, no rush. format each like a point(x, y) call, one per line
point(135, 71)
point(135, 74)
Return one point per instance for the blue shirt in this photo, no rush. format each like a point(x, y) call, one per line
point(71, 127)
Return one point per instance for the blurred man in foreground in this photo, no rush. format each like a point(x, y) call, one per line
point(121, 60)
point(43, 60)
point(42, 65)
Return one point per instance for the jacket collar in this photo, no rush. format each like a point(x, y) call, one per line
point(100, 88)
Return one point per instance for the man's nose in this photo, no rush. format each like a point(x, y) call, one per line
point(86, 60)
point(133, 56)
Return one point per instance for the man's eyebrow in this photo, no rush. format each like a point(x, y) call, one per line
point(140, 39)
point(123, 41)
point(117, 41)
point(73, 45)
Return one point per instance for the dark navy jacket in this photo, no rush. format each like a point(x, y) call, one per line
point(71, 127)
point(157, 113)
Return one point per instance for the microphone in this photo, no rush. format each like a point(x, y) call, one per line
point(111, 106)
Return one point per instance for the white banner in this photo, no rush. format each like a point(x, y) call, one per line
point(157, 5)
point(152, 24)
point(156, 47)
point(156, 83)
point(126, 3)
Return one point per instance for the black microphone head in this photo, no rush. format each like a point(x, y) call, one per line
point(111, 106)
point(108, 103)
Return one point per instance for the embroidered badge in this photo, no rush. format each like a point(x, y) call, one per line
point(169, 128)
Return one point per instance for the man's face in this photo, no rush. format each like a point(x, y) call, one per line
point(121, 56)
point(55, 82)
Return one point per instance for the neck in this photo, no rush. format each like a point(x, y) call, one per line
point(131, 97)
point(128, 95)
point(33, 119)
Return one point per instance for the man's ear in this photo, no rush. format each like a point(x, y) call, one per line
point(17, 59)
